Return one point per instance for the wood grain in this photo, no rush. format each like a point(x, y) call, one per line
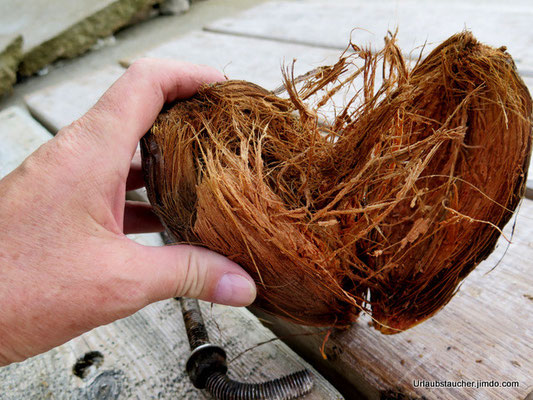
point(321, 23)
point(59, 105)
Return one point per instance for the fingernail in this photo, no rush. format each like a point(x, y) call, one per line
point(234, 290)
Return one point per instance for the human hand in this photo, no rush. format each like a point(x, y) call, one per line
point(66, 265)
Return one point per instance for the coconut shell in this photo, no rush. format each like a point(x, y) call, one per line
point(384, 209)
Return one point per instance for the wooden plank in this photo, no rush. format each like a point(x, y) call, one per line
point(21, 135)
point(529, 183)
point(143, 355)
point(255, 60)
point(485, 333)
point(330, 24)
point(63, 28)
point(59, 105)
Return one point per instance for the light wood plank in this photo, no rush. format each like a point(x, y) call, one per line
point(21, 135)
point(59, 105)
point(484, 333)
point(330, 24)
point(529, 183)
point(144, 354)
point(256, 60)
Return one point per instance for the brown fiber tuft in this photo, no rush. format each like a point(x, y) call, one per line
point(384, 208)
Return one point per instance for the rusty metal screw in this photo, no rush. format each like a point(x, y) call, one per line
point(207, 367)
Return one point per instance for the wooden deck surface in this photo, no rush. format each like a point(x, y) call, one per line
point(486, 332)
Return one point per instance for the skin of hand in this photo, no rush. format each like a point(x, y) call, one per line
point(66, 265)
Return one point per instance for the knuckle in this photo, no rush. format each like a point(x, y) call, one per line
point(47, 156)
point(64, 148)
point(140, 66)
point(84, 126)
point(33, 163)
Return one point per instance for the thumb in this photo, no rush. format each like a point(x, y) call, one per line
point(191, 271)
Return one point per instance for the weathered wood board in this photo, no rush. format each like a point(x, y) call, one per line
point(484, 334)
point(331, 24)
point(143, 355)
point(256, 60)
point(21, 135)
point(529, 185)
point(59, 105)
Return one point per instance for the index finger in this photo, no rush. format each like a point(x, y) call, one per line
point(127, 110)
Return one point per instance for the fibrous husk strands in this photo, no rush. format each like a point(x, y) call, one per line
point(384, 208)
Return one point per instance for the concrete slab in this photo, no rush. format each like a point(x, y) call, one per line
point(330, 24)
point(64, 29)
point(143, 355)
point(10, 57)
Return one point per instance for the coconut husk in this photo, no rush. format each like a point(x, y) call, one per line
point(384, 208)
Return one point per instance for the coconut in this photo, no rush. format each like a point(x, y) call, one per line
point(384, 208)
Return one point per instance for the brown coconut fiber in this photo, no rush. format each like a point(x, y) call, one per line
point(384, 209)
